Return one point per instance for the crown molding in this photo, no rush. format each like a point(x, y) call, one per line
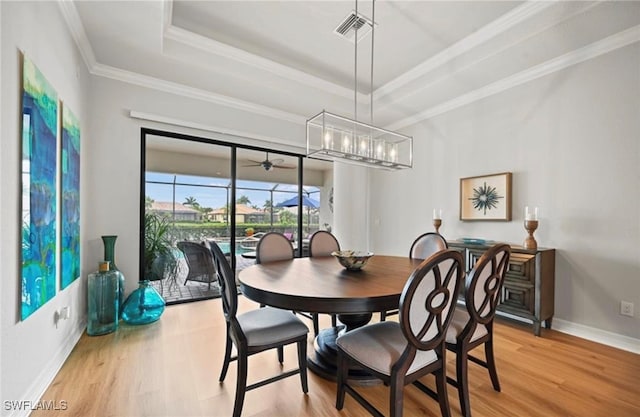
point(399, 98)
point(212, 46)
point(593, 50)
point(498, 26)
point(74, 23)
point(167, 16)
point(194, 93)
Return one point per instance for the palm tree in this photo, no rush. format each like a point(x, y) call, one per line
point(243, 199)
point(191, 201)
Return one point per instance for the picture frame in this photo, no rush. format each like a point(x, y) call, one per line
point(486, 197)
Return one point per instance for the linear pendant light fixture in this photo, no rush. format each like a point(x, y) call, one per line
point(338, 138)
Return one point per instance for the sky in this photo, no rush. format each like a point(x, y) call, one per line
point(208, 192)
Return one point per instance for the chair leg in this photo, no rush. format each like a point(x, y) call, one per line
point(241, 384)
point(396, 391)
point(462, 376)
point(441, 386)
point(334, 320)
point(343, 368)
point(383, 315)
point(280, 354)
point(316, 325)
point(491, 365)
point(302, 364)
point(227, 356)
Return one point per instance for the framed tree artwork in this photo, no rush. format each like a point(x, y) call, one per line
point(486, 197)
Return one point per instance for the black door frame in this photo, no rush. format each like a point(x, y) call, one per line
point(233, 148)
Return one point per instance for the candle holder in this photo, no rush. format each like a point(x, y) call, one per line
point(530, 226)
point(437, 223)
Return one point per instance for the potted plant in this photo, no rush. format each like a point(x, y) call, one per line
point(249, 231)
point(160, 260)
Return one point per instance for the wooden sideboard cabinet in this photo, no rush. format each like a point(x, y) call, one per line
point(528, 290)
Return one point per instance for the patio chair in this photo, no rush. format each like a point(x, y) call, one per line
point(400, 353)
point(472, 324)
point(200, 263)
point(422, 247)
point(254, 332)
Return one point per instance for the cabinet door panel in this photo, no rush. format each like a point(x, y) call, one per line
point(522, 268)
point(517, 298)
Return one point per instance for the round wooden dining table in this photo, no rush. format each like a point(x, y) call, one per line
point(322, 285)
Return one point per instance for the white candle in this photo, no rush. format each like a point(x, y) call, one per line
point(437, 215)
point(530, 215)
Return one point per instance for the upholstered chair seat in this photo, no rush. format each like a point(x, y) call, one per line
point(380, 345)
point(268, 326)
point(460, 320)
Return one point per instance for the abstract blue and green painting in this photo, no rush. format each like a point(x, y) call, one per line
point(70, 199)
point(39, 194)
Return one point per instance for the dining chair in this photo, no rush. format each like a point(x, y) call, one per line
point(256, 331)
point(426, 245)
point(399, 353)
point(472, 323)
point(322, 243)
point(273, 246)
point(422, 247)
point(199, 261)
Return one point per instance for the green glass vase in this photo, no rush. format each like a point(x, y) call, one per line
point(109, 242)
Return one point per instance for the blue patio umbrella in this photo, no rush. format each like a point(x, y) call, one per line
point(306, 201)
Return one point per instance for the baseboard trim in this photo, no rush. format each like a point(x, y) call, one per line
point(31, 398)
point(597, 335)
point(586, 332)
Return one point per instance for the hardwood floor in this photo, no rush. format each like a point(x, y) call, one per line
point(171, 368)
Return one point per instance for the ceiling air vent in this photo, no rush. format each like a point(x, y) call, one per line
point(347, 28)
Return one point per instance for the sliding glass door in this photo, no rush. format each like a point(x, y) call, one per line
point(212, 191)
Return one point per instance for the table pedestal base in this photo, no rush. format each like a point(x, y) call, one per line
point(323, 360)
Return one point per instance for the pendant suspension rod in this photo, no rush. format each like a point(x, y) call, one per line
point(355, 88)
point(373, 28)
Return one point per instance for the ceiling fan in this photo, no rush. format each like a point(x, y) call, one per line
point(270, 164)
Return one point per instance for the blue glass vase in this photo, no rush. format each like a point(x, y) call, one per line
point(102, 300)
point(144, 305)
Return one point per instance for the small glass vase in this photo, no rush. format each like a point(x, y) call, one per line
point(102, 300)
point(144, 305)
point(109, 243)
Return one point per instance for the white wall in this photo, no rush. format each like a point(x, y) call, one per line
point(33, 350)
point(572, 141)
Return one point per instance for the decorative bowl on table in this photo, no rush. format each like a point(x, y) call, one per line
point(352, 260)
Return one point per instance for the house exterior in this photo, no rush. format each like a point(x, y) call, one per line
point(244, 214)
point(176, 211)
